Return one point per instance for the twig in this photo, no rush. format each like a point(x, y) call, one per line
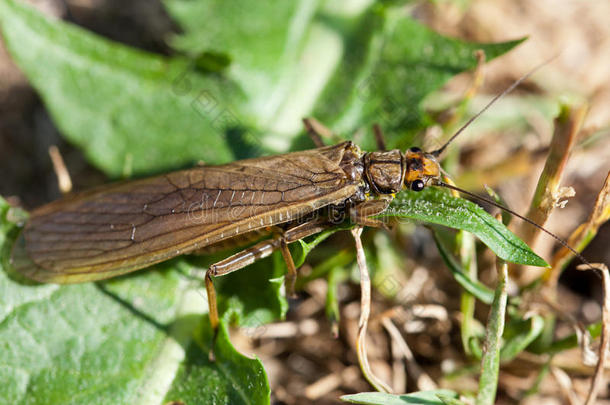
point(583, 234)
point(548, 191)
point(423, 380)
point(63, 176)
point(582, 334)
point(330, 382)
point(316, 130)
point(565, 385)
point(598, 378)
point(365, 311)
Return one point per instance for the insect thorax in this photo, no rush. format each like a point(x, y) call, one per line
point(384, 171)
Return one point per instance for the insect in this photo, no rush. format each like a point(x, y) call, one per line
point(120, 228)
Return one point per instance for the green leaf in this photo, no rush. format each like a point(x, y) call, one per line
point(519, 334)
point(450, 401)
point(380, 398)
point(253, 296)
point(474, 287)
point(333, 313)
point(490, 363)
point(438, 207)
point(571, 341)
point(122, 106)
point(231, 379)
point(349, 66)
point(395, 62)
point(305, 246)
point(262, 39)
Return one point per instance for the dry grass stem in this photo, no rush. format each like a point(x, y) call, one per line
point(365, 312)
point(423, 380)
point(64, 182)
point(548, 192)
point(598, 378)
point(583, 234)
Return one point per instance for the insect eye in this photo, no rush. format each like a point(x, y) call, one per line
point(417, 185)
point(415, 149)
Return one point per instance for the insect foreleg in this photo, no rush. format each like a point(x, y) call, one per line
point(360, 213)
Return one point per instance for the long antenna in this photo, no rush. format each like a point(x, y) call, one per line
point(529, 221)
point(510, 88)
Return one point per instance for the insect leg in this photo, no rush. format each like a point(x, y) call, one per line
point(316, 131)
point(291, 277)
point(292, 235)
point(229, 265)
point(360, 213)
point(249, 256)
point(234, 263)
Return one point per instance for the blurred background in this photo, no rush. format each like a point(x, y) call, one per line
point(505, 149)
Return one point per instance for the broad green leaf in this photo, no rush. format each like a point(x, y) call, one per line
point(124, 107)
point(232, 379)
point(262, 39)
point(253, 296)
point(380, 398)
point(391, 62)
point(348, 65)
point(438, 207)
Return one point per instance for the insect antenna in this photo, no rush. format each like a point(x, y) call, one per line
point(379, 138)
point(498, 96)
point(529, 221)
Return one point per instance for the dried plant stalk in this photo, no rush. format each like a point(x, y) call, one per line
point(548, 191)
point(365, 312)
point(581, 237)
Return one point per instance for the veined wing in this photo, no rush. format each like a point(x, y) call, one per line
point(123, 227)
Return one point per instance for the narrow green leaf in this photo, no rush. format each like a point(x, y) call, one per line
point(333, 314)
point(120, 104)
point(571, 341)
point(450, 401)
point(517, 341)
point(307, 245)
point(475, 287)
point(438, 207)
point(468, 257)
point(380, 398)
point(490, 363)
